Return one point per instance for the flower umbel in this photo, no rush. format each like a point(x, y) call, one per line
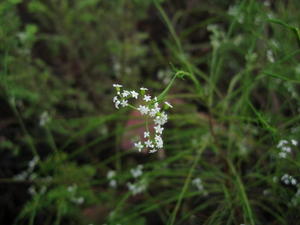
point(151, 110)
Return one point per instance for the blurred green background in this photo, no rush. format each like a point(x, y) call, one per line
point(61, 137)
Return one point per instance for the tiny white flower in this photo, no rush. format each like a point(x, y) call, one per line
point(282, 143)
point(156, 106)
point(32, 163)
point(146, 134)
point(198, 183)
point(293, 181)
point(158, 129)
point(285, 176)
point(159, 141)
point(282, 154)
point(147, 98)
point(286, 149)
point(138, 187)
point(72, 188)
point(113, 183)
point(286, 181)
point(124, 103)
point(153, 112)
point(44, 118)
point(134, 94)
point(117, 103)
point(115, 99)
point(168, 104)
point(139, 146)
point(294, 142)
point(267, 3)
point(110, 174)
point(161, 119)
point(125, 93)
point(137, 172)
point(117, 85)
point(78, 201)
point(143, 89)
point(31, 190)
point(143, 109)
point(270, 56)
point(22, 176)
point(149, 144)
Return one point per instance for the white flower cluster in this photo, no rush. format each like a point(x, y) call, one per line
point(33, 191)
point(288, 179)
point(28, 174)
point(152, 110)
point(78, 200)
point(217, 37)
point(197, 182)
point(111, 177)
point(285, 147)
point(137, 172)
point(296, 198)
point(140, 185)
point(75, 199)
point(122, 97)
point(234, 11)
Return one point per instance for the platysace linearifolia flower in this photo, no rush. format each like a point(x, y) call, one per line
point(147, 98)
point(111, 177)
point(137, 172)
point(151, 110)
point(158, 129)
point(285, 147)
point(143, 109)
point(287, 179)
point(134, 94)
point(146, 134)
point(139, 146)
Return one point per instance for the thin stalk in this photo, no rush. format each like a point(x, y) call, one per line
point(185, 186)
point(24, 129)
point(242, 192)
point(51, 139)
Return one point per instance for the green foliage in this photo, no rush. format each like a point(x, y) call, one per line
point(236, 99)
